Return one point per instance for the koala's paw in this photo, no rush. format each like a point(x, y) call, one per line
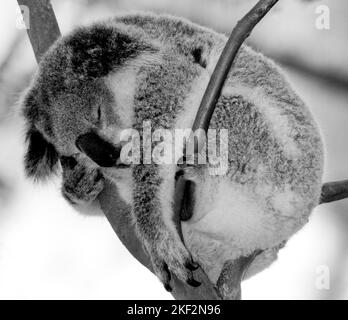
point(80, 184)
point(169, 255)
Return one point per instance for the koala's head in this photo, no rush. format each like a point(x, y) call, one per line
point(86, 83)
point(69, 104)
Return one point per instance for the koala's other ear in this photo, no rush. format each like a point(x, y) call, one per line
point(41, 157)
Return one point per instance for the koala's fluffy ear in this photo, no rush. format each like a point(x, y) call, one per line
point(41, 157)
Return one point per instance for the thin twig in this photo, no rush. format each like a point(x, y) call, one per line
point(334, 191)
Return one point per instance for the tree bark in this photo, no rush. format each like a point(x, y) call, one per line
point(44, 29)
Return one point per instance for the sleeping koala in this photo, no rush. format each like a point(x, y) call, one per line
point(103, 79)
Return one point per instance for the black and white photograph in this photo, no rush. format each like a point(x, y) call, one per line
point(187, 150)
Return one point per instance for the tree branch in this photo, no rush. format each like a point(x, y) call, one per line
point(44, 29)
point(334, 191)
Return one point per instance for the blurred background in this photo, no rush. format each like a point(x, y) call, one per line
point(48, 251)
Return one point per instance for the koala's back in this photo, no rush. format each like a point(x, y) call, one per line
point(270, 128)
point(275, 155)
point(275, 152)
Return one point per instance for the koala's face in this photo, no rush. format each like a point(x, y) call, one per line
point(80, 120)
point(70, 107)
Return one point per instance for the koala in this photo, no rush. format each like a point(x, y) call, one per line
point(114, 75)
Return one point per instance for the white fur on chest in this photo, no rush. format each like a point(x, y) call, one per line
point(231, 220)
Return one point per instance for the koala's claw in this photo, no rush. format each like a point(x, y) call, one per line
point(189, 279)
point(170, 256)
point(168, 277)
point(80, 184)
point(168, 287)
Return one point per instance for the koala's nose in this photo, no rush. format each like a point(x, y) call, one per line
point(102, 152)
